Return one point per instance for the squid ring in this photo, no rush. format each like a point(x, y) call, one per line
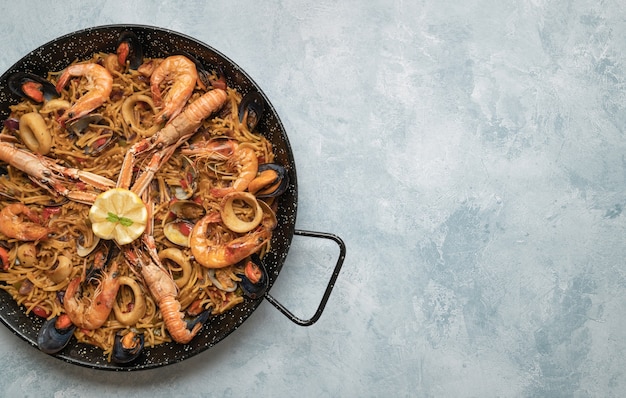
point(177, 256)
point(62, 271)
point(34, 133)
point(139, 308)
point(128, 113)
point(229, 217)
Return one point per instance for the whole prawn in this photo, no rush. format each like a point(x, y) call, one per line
point(94, 312)
point(12, 223)
point(99, 84)
point(164, 291)
point(240, 158)
point(182, 73)
point(211, 254)
point(170, 137)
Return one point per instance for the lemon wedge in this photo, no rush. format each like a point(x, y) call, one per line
point(118, 214)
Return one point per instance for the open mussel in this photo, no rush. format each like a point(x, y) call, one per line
point(251, 109)
point(127, 347)
point(94, 144)
point(272, 180)
point(129, 49)
point(254, 280)
point(55, 334)
point(185, 214)
point(32, 87)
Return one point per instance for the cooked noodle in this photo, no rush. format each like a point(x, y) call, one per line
point(31, 285)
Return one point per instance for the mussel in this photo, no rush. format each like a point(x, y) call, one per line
point(55, 334)
point(254, 280)
point(97, 144)
point(32, 87)
point(129, 49)
point(251, 109)
point(186, 213)
point(272, 180)
point(127, 347)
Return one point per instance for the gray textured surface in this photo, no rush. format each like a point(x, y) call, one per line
point(471, 155)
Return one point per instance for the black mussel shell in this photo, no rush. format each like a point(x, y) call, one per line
point(135, 55)
point(283, 177)
point(251, 289)
point(124, 355)
point(200, 319)
point(251, 109)
point(52, 340)
point(17, 81)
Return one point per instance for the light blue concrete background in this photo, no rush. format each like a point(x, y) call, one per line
point(471, 155)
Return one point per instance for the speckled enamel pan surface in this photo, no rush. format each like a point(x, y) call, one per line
point(156, 42)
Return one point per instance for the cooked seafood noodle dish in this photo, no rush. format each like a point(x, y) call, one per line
point(137, 200)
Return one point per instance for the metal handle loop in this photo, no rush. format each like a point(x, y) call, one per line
point(329, 287)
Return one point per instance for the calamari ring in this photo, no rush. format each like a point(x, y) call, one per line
point(139, 308)
point(55, 105)
point(230, 219)
point(178, 257)
point(34, 133)
point(128, 113)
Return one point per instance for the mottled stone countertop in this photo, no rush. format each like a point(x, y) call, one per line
point(471, 156)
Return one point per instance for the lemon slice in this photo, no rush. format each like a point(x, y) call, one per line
point(118, 214)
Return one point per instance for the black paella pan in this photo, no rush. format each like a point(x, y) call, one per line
point(157, 42)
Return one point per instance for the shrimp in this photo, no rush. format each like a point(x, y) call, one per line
point(92, 314)
point(12, 223)
point(99, 84)
point(240, 158)
point(183, 73)
point(170, 137)
point(164, 291)
point(212, 254)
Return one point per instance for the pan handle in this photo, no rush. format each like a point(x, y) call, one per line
point(329, 288)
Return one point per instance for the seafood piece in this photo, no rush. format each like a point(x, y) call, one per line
point(164, 291)
point(182, 265)
point(219, 281)
point(55, 334)
point(20, 222)
point(105, 139)
point(61, 271)
point(178, 232)
point(254, 280)
point(127, 347)
point(251, 109)
point(50, 175)
point(84, 251)
point(134, 110)
point(212, 254)
point(129, 49)
point(99, 84)
point(129, 312)
point(272, 180)
point(246, 163)
point(187, 210)
point(181, 72)
point(26, 254)
point(33, 87)
point(232, 220)
point(166, 140)
point(34, 133)
point(4, 259)
point(91, 313)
